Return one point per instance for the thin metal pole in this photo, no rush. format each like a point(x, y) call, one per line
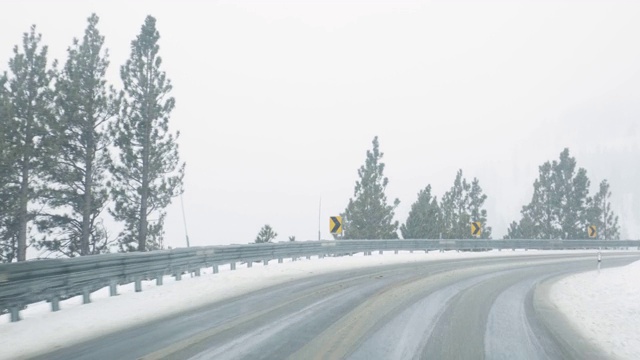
point(184, 220)
point(319, 217)
point(604, 215)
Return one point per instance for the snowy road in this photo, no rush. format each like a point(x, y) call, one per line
point(496, 308)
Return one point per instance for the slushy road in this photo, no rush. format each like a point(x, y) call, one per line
point(493, 308)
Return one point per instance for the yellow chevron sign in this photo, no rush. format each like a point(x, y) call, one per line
point(476, 228)
point(593, 232)
point(335, 224)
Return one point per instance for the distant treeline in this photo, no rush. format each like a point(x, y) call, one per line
point(72, 146)
point(560, 208)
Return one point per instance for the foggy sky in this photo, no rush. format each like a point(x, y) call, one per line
point(278, 102)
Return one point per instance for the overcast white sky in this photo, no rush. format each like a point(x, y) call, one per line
point(277, 102)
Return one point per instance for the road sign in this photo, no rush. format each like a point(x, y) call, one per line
point(335, 224)
point(476, 228)
point(593, 232)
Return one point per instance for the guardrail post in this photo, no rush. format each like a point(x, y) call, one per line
point(215, 269)
point(55, 303)
point(159, 279)
point(15, 313)
point(197, 272)
point(294, 259)
point(179, 275)
point(86, 296)
point(113, 289)
point(308, 257)
point(381, 252)
point(138, 285)
point(395, 252)
point(280, 260)
point(233, 266)
point(249, 264)
point(265, 262)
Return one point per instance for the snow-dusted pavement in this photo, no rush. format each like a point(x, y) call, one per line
point(42, 331)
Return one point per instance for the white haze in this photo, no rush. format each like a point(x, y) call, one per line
point(277, 102)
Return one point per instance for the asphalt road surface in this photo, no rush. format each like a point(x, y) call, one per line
point(493, 308)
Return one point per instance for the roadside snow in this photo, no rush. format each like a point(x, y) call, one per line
point(42, 331)
point(605, 306)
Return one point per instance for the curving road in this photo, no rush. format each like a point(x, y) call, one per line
point(494, 308)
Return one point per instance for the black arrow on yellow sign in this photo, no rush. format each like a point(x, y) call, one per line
point(476, 228)
point(335, 224)
point(592, 231)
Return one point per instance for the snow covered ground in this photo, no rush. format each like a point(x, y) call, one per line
point(605, 306)
point(41, 330)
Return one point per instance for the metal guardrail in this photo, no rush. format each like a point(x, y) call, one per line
point(55, 279)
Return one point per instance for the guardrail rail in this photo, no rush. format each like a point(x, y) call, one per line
point(51, 280)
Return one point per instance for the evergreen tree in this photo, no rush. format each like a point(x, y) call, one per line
point(266, 235)
point(8, 188)
point(84, 108)
point(601, 214)
point(149, 173)
point(514, 231)
point(26, 130)
point(462, 205)
point(572, 196)
point(456, 220)
point(424, 218)
point(367, 215)
point(539, 214)
point(476, 203)
point(560, 207)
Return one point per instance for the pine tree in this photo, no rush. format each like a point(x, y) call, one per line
point(85, 106)
point(539, 214)
point(572, 195)
point(149, 173)
point(27, 131)
point(267, 235)
point(560, 207)
point(8, 188)
point(367, 215)
point(462, 205)
point(602, 216)
point(423, 221)
point(455, 202)
point(476, 203)
point(514, 231)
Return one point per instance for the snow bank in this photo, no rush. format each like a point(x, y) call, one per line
point(42, 331)
point(605, 307)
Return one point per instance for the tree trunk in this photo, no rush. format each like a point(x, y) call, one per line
point(23, 213)
point(88, 192)
point(142, 233)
